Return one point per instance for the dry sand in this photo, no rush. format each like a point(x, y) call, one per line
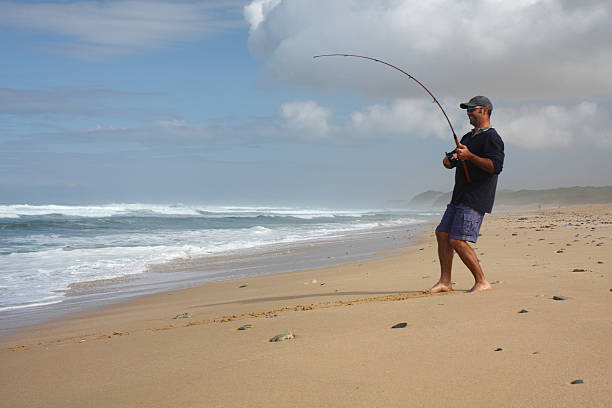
point(345, 353)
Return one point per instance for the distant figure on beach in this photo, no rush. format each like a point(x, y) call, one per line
point(482, 149)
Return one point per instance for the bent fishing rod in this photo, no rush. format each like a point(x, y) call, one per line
point(467, 175)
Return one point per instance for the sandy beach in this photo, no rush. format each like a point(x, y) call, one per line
point(515, 346)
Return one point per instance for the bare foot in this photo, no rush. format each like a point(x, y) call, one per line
point(480, 287)
point(440, 287)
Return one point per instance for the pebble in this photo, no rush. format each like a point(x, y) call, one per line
point(524, 311)
point(559, 298)
point(498, 349)
point(245, 327)
point(242, 286)
point(271, 316)
point(600, 262)
point(183, 316)
point(579, 270)
point(286, 335)
point(577, 382)
point(400, 325)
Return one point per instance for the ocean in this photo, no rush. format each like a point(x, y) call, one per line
point(46, 251)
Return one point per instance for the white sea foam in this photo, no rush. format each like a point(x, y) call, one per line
point(37, 264)
point(110, 210)
point(28, 305)
point(94, 211)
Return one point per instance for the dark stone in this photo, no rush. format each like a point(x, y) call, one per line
point(577, 382)
point(524, 311)
point(559, 298)
point(245, 327)
point(400, 325)
point(498, 349)
point(600, 262)
point(242, 286)
point(579, 270)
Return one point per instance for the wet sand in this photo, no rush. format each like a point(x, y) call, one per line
point(456, 349)
point(191, 272)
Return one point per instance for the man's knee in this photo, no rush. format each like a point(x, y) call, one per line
point(457, 243)
point(442, 236)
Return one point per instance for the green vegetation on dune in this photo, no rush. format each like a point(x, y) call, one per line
point(555, 196)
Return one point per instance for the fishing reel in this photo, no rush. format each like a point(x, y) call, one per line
point(453, 160)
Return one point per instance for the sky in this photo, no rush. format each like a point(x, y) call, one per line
point(221, 102)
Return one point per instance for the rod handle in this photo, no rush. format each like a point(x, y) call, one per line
point(465, 170)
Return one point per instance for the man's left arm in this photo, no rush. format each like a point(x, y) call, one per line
point(482, 163)
point(492, 161)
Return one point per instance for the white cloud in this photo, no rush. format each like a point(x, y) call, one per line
point(403, 117)
point(66, 101)
point(161, 130)
point(585, 125)
point(306, 118)
point(257, 11)
point(118, 27)
point(510, 50)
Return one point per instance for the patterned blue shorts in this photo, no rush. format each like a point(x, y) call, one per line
point(461, 222)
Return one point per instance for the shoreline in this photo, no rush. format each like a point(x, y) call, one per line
point(344, 352)
point(186, 273)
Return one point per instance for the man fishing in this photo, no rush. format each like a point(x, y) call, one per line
point(482, 150)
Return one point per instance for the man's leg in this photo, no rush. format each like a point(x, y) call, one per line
point(445, 255)
point(469, 258)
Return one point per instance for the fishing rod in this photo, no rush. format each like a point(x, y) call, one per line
point(467, 175)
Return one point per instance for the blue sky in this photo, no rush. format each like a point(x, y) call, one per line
point(220, 102)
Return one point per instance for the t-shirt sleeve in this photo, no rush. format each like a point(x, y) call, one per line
point(495, 152)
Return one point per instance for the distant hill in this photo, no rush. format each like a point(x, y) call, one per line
point(429, 199)
point(507, 198)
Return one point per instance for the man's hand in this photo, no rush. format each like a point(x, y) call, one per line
point(450, 160)
point(463, 153)
point(447, 163)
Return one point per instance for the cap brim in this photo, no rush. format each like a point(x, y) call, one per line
point(465, 105)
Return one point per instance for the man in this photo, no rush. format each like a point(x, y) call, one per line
point(482, 150)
